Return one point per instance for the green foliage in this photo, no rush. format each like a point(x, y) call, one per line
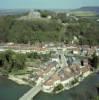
point(62, 17)
point(74, 81)
point(96, 98)
point(45, 13)
point(12, 30)
point(94, 61)
point(10, 60)
point(58, 88)
point(35, 55)
point(20, 31)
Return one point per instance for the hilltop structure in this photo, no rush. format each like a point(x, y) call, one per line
point(31, 15)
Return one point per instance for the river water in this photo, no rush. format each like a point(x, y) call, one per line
point(9, 90)
point(85, 91)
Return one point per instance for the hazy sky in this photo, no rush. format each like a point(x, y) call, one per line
point(43, 4)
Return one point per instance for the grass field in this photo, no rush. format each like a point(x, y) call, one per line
point(83, 13)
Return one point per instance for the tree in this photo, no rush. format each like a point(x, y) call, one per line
point(58, 88)
point(96, 98)
point(82, 63)
point(94, 61)
point(10, 60)
point(19, 61)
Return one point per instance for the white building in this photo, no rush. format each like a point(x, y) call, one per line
point(34, 14)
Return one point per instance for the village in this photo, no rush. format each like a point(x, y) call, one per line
point(67, 66)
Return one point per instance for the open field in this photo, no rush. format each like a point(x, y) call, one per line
point(83, 13)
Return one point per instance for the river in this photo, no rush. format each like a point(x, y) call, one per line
point(85, 91)
point(9, 90)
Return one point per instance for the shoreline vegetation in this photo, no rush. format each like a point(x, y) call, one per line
point(76, 83)
point(85, 75)
point(20, 81)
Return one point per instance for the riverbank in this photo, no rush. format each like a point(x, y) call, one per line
point(83, 91)
point(9, 90)
point(17, 80)
point(77, 83)
point(70, 83)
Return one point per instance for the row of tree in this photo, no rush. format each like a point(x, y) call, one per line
point(35, 55)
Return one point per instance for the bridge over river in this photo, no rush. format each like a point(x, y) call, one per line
point(31, 93)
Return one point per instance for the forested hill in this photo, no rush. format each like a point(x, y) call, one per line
point(12, 30)
point(21, 31)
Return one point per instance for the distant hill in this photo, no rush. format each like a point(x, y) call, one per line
point(92, 9)
point(12, 12)
point(89, 10)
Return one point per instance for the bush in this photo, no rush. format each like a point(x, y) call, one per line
point(58, 88)
point(10, 60)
